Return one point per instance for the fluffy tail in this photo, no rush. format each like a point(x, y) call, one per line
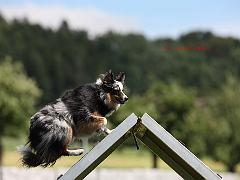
point(29, 159)
point(43, 158)
point(45, 154)
point(49, 136)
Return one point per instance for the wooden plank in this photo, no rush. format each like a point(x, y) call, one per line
point(172, 151)
point(101, 151)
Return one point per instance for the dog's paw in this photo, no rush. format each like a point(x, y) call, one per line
point(75, 152)
point(108, 131)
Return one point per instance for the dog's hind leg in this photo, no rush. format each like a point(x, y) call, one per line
point(66, 150)
point(73, 152)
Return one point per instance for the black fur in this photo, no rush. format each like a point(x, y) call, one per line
point(54, 126)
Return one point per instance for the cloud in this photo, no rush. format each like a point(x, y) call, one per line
point(94, 20)
point(97, 21)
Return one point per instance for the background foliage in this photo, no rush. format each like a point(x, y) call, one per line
point(18, 96)
point(190, 85)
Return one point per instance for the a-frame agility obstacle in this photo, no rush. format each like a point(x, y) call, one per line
point(156, 138)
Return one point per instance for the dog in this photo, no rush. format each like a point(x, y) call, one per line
point(80, 112)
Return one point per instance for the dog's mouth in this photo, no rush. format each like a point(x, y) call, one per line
point(121, 100)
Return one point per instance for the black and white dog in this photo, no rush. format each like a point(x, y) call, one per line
point(79, 112)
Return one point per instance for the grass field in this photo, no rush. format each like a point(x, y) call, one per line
point(123, 158)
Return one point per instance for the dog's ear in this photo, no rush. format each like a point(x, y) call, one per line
point(121, 77)
point(108, 77)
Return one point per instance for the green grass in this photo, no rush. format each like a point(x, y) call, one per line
point(123, 158)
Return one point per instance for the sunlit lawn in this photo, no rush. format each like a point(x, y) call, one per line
point(123, 158)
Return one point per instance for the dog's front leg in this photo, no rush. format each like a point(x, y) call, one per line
point(106, 130)
point(104, 120)
point(101, 119)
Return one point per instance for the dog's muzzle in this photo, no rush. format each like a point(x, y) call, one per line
point(124, 99)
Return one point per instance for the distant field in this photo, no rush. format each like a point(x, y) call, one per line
point(123, 158)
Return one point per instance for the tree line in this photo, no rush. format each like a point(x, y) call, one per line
point(189, 84)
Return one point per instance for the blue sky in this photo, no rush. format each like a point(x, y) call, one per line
point(152, 18)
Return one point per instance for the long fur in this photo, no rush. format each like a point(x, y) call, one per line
point(79, 112)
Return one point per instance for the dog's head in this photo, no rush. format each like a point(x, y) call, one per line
point(113, 86)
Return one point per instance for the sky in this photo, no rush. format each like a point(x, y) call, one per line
point(153, 18)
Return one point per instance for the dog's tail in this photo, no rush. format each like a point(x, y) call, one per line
point(44, 151)
point(48, 139)
point(29, 158)
point(45, 154)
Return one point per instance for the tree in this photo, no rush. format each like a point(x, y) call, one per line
point(18, 95)
point(213, 128)
point(172, 104)
point(223, 124)
point(196, 133)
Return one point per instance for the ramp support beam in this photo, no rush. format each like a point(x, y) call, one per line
point(156, 138)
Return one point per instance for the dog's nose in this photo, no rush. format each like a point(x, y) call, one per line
point(126, 98)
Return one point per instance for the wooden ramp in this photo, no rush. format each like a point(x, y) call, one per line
point(156, 138)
